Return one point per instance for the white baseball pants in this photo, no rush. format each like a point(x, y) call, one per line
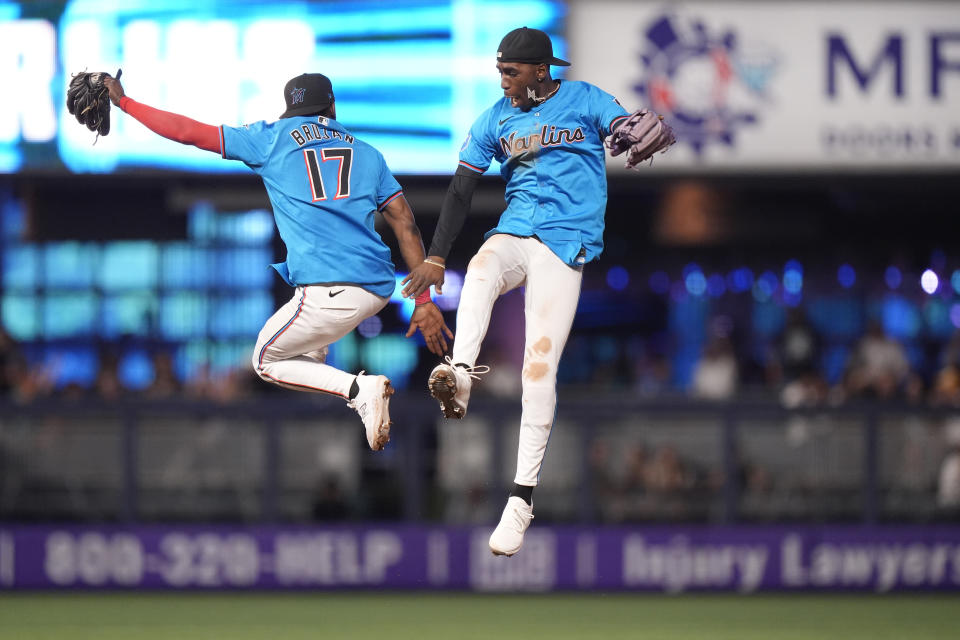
point(503, 263)
point(292, 345)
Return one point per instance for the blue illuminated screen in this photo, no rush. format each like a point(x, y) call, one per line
point(409, 77)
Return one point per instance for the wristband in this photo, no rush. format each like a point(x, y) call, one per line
point(423, 298)
point(435, 263)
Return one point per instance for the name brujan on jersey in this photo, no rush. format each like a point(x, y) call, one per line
point(309, 132)
point(549, 136)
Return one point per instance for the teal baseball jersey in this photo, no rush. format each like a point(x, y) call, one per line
point(553, 160)
point(326, 188)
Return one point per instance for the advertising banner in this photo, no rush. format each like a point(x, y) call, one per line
point(784, 85)
point(663, 558)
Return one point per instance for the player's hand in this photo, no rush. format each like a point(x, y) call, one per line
point(115, 88)
point(422, 276)
point(428, 319)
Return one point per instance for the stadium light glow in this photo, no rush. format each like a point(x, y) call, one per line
point(893, 277)
point(929, 282)
point(696, 283)
point(793, 278)
point(371, 327)
point(716, 285)
point(846, 276)
point(740, 280)
point(618, 278)
point(765, 286)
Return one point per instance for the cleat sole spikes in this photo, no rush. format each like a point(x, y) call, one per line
point(443, 388)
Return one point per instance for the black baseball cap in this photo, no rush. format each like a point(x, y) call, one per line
point(531, 46)
point(307, 94)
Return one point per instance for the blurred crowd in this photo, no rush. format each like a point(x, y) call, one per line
point(23, 382)
point(657, 473)
point(789, 368)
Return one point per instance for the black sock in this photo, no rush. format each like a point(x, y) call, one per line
point(354, 389)
point(523, 491)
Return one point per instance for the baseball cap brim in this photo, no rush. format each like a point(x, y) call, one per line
point(554, 61)
point(304, 111)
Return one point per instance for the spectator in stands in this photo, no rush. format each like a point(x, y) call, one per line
point(793, 366)
point(665, 473)
point(797, 350)
point(602, 483)
point(165, 383)
point(946, 383)
point(637, 468)
point(879, 368)
point(948, 487)
point(12, 364)
point(651, 366)
point(716, 374)
point(107, 385)
point(329, 502)
point(18, 380)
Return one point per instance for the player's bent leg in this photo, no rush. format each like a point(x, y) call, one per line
point(292, 347)
point(498, 267)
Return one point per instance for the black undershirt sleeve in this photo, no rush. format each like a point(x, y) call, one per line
point(453, 213)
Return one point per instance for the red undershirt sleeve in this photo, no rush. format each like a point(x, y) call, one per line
point(174, 126)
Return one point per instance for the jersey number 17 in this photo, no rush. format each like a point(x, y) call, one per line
point(344, 157)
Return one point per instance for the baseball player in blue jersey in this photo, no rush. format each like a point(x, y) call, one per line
point(548, 136)
point(326, 187)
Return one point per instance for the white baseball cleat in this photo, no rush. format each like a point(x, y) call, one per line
point(373, 405)
point(507, 538)
point(450, 385)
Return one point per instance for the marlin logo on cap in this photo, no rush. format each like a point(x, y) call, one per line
point(296, 95)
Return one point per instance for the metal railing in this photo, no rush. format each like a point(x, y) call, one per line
point(292, 457)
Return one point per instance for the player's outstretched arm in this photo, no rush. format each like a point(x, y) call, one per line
point(169, 125)
point(456, 206)
point(400, 218)
point(426, 316)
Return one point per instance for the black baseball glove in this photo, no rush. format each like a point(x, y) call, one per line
point(89, 101)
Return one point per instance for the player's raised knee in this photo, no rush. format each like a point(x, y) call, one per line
point(257, 364)
point(483, 264)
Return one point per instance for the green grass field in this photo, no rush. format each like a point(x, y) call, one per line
point(393, 616)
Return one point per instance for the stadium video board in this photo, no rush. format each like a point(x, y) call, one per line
point(409, 77)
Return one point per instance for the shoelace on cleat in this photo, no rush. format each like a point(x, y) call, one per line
point(474, 372)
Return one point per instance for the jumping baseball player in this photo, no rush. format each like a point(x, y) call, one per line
point(326, 188)
point(548, 136)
